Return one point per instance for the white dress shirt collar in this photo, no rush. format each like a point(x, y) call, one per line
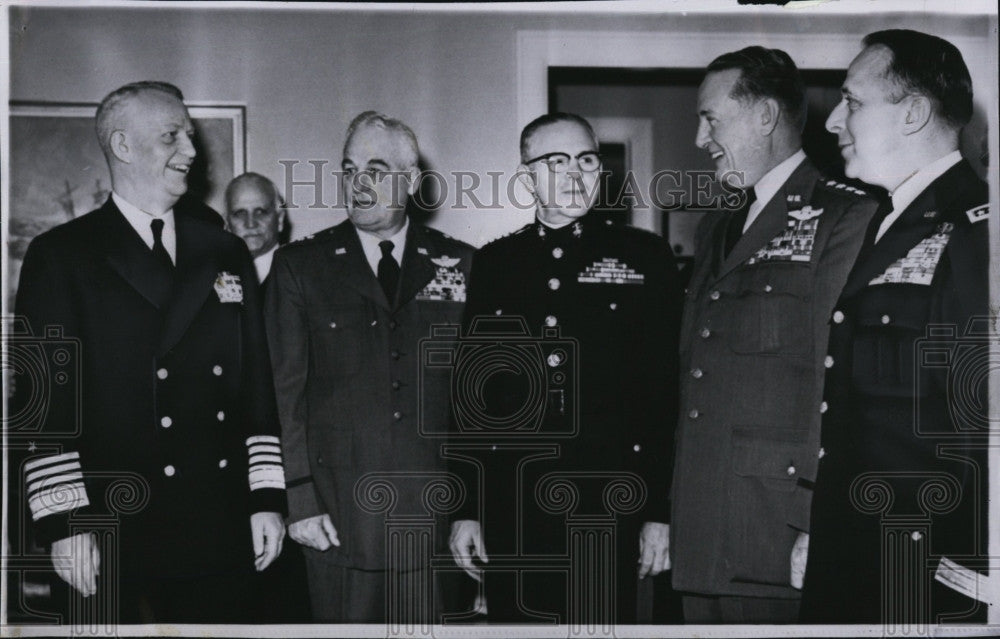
point(140, 221)
point(370, 242)
point(910, 188)
point(262, 263)
point(773, 180)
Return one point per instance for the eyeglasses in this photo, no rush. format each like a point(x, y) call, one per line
point(588, 161)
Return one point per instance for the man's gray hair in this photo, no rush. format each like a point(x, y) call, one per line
point(261, 182)
point(111, 107)
point(411, 153)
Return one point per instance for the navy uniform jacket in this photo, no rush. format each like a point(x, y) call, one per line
point(348, 378)
point(903, 442)
point(174, 441)
point(752, 345)
point(612, 293)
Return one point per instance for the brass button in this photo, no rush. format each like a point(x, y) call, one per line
point(169, 471)
point(637, 448)
point(217, 370)
point(397, 415)
point(613, 306)
point(554, 283)
point(705, 333)
point(828, 362)
point(557, 252)
point(395, 385)
point(838, 317)
point(823, 407)
point(886, 319)
point(697, 373)
point(166, 422)
point(223, 463)
point(714, 295)
point(221, 416)
point(790, 470)
point(767, 288)
point(694, 413)
point(162, 373)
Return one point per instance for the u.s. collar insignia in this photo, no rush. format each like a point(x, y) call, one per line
point(978, 214)
point(445, 261)
point(794, 199)
point(228, 288)
point(805, 213)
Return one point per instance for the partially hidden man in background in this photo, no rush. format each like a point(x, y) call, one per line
point(599, 453)
point(346, 310)
point(176, 393)
point(765, 278)
point(898, 530)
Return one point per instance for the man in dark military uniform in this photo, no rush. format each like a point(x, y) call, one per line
point(898, 531)
point(174, 481)
point(346, 310)
point(754, 334)
point(607, 296)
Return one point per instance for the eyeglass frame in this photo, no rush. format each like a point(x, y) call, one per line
point(547, 156)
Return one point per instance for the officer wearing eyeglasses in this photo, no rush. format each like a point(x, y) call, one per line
point(613, 291)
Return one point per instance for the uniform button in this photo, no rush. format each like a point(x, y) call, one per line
point(374, 322)
point(550, 320)
point(223, 463)
point(395, 385)
point(493, 447)
point(697, 373)
point(886, 319)
point(823, 407)
point(637, 448)
point(169, 471)
point(693, 414)
point(554, 283)
point(705, 333)
point(916, 535)
point(393, 325)
point(767, 288)
point(790, 470)
point(557, 252)
point(333, 324)
point(499, 311)
point(397, 415)
point(714, 295)
point(217, 370)
point(821, 454)
point(319, 460)
point(221, 416)
point(838, 317)
point(613, 306)
point(162, 373)
point(828, 362)
point(394, 354)
point(166, 422)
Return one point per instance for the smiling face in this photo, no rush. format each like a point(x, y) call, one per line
point(729, 130)
point(154, 145)
point(561, 197)
point(867, 124)
point(378, 179)
point(253, 215)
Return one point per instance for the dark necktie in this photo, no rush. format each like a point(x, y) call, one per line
point(734, 228)
point(388, 270)
point(160, 251)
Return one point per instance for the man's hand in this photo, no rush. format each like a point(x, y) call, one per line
point(316, 532)
point(466, 535)
point(654, 548)
point(77, 561)
point(800, 552)
point(268, 532)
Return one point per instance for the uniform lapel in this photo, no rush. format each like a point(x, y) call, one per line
point(907, 231)
point(351, 266)
point(417, 269)
point(128, 255)
point(195, 275)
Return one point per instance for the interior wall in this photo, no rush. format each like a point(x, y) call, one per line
point(303, 74)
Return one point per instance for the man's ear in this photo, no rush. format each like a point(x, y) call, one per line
point(768, 112)
point(526, 177)
point(119, 146)
point(412, 180)
point(282, 214)
point(918, 114)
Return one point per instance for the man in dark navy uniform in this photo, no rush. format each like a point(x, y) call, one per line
point(898, 530)
point(754, 334)
point(609, 294)
point(255, 212)
point(174, 481)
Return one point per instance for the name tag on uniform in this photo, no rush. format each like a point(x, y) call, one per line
point(920, 262)
point(795, 243)
point(448, 284)
point(228, 288)
point(609, 270)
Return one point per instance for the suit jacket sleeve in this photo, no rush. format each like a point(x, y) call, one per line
point(288, 337)
point(266, 473)
point(54, 481)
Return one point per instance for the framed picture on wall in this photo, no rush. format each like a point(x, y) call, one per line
point(58, 173)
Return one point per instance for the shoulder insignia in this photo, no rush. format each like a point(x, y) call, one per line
point(978, 213)
point(421, 250)
point(840, 186)
point(340, 250)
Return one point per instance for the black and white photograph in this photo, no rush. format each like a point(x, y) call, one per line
point(538, 319)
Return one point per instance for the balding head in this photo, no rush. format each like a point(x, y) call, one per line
point(255, 212)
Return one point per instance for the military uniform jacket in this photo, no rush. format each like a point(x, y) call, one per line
point(348, 373)
point(903, 438)
point(162, 424)
point(752, 345)
point(606, 296)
